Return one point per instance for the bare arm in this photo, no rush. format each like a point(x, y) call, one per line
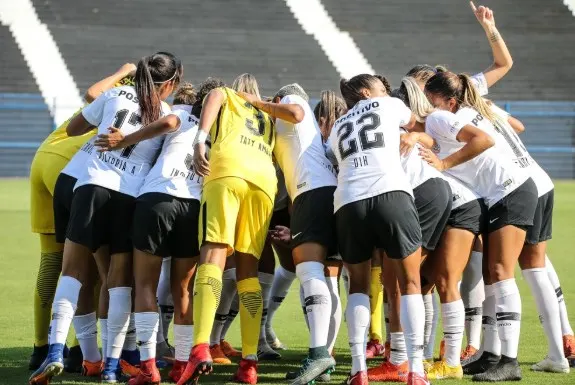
point(516, 124)
point(105, 84)
point(502, 60)
point(290, 112)
point(115, 139)
point(212, 104)
point(78, 125)
point(408, 140)
point(414, 125)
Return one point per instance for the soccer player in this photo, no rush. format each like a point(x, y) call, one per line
point(511, 197)
point(237, 203)
point(374, 209)
point(51, 157)
point(102, 207)
point(310, 182)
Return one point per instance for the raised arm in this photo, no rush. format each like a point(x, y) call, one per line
point(105, 84)
point(290, 112)
point(502, 60)
point(115, 139)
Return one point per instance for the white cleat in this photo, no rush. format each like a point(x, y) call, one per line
point(548, 365)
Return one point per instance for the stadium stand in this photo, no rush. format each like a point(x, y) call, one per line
point(14, 73)
point(396, 34)
point(218, 38)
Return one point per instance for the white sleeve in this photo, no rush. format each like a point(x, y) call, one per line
point(481, 83)
point(94, 112)
point(184, 117)
point(403, 112)
point(500, 112)
point(443, 124)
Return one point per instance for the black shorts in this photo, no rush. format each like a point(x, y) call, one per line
point(542, 222)
point(166, 226)
point(388, 221)
point(280, 217)
point(312, 219)
point(469, 216)
point(516, 208)
point(433, 205)
point(100, 216)
point(62, 202)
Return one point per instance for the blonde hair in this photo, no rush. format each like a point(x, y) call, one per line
point(330, 107)
point(416, 99)
point(185, 94)
point(247, 83)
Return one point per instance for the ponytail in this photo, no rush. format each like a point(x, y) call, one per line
point(351, 89)
point(417, 101)
point(470, 97)
point(148, 98)
point(330, 107)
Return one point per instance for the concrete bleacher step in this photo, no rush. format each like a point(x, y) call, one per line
point(14, 74)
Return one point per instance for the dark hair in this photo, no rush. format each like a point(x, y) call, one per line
point(205, 87)
point(351, 89)
point(152, 71)
point(185, 94)
point(461, 88)
point(330, 107)
point(422, 72)
point(401, 94)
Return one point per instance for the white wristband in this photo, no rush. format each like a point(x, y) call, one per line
point(201, 137)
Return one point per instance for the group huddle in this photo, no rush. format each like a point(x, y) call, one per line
point(180, 211)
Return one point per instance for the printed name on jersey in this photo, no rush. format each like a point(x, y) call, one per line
point(88, 147)
point(118, 163)
point(261, 146)
point(129, 96)
point(188, 175)
point(363, 110)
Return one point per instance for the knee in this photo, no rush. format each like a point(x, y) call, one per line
point(498, 272)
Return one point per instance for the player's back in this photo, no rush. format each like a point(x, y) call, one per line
point(242, 143)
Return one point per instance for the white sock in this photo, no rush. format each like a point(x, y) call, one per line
point(317, 301)
point(473, 295)
point(266, 281)
point(86, 327)
point(131, 343)
point(508, 315)
point(412, 324)
point(554, 278)
point(183, 340)
point(118, 319)
point(335, 321)
point(430, 347)
point(165, 300)
point(146, 329)
point(386, 320)
point(453, 314)
point(427, 347)
point(357, 314)
point(491, 342)
point(234, 310)
point(229, 291)
point(63, 308)
point(398, 351)
point(548, 308)
point(280, 287)
point(104, 337)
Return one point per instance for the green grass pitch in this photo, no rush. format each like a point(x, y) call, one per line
point(19, 257)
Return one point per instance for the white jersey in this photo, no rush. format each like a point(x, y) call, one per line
point(517, 152)
point(282, 198)
point(460, 193)
point(480, 83)
point(490, 174)
point(77, 164)
point(417, 170)
point(173, 172)
point(365, 142)
point(300, 154)
point(121, 170)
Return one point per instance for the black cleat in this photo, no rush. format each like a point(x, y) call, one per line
point(507, 369)
point(483, 364)
point(73, 363)
point(38, 356)
point(323, 378)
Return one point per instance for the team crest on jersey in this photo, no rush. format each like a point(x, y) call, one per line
point(436, 148)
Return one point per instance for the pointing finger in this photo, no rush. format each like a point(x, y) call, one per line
point(473, 8)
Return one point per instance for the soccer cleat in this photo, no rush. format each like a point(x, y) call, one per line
point(416, 379)
point(200, 362)
point(550, 366)
point(228, 350)
point(273, 340)
point(359, 378)
point(52, 366)
point(92, 369)
point(441, 371)
point(482, 364)
point(323, 378)
point(468, 352)
point(38, 356)
point(148, 375)
point(112, 372)
point(247, 372)
point(388, 372)
point(441, 350)
point(374, 349)
point(218, 355)
point(130, 362)
point(312, 369)
point(73, 362)
point(165, 351)
point(266, 353)
point(427, 364)
point(387, 352)
point(569, 346)
point(507, 369)
point(472, 358)
point(177, 370)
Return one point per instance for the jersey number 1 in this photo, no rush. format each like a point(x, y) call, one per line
point(119, 121)
point(365, 142)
